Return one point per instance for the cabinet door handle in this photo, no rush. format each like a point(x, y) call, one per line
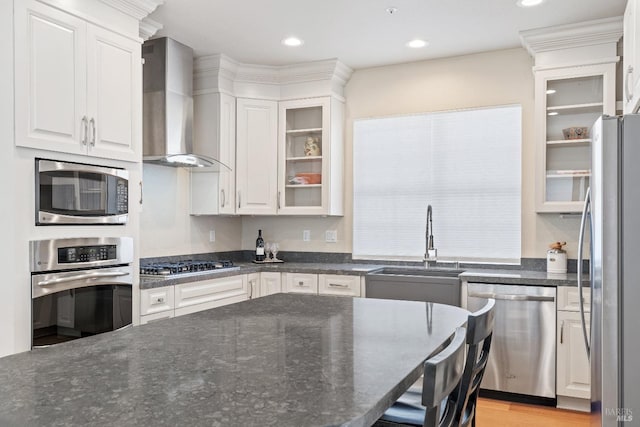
point(224, 199)
point(140, 192)
point(338, 285)
point(251, 282)
point(85, 129)
point(239, 200)
point(627, 93)
point(278, 200)
point(92, 122)
point(562, 332)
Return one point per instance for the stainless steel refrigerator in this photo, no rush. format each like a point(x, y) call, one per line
point(612, 219)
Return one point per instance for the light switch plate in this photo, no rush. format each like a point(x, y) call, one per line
point(306, 235)
point(212, 235)
point(331, 236)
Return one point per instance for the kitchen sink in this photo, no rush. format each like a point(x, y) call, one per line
point(439, 285)
point(417, 271)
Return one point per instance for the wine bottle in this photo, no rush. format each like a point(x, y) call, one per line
point(259, 247)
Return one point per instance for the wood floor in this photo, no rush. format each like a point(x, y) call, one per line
point(497, 413)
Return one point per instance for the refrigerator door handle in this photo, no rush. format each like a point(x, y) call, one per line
point(583, 223)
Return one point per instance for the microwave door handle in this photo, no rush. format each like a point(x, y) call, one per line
point(82, 277)
point(583, 222)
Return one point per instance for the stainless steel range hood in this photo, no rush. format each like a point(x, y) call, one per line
point(168, 106)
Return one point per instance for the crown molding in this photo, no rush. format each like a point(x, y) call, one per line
point(227, 67)
point(137, 9)
point(148, 27)
point(589, 33)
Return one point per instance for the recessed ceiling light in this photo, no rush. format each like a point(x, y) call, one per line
point(551, 91)
point(529, 3)
point(391, 10)
point(417, 43)
point(553, 113)
point(292, 42)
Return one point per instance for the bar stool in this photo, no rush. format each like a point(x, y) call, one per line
point(408, 409)
point(479, 333)
point(441, 383)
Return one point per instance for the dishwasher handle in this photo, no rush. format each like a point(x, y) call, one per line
point(511, 297)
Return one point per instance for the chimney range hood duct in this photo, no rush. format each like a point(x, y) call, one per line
point(168, 106)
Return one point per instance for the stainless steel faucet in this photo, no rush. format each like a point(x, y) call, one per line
point(430, 253)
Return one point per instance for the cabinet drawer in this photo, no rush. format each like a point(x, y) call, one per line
point(569, 298)
point(206, 294)
point(156, 300)
point(301, 283)
point(333, 284)
point(156, 316)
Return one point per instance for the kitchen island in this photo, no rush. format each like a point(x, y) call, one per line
point(285, 360)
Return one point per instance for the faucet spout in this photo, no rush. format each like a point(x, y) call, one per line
point(431, 253)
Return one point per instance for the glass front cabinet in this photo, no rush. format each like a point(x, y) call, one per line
point(568, 102)
point(310, 157)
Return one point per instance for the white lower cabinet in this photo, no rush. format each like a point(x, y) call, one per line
point(270, 283)
point(573, 371)
point(157, 316)
point(206, 294)
point(185, 298)
point(263, 284)
point(300, 283)
point(334, 284)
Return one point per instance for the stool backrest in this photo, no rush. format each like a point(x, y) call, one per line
point(479, 333)
point(442, 375)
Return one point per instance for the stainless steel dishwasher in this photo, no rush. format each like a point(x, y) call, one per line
point(522, 358)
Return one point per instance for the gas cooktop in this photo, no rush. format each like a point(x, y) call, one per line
point(166, 270)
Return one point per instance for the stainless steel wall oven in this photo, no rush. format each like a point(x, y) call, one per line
point(80, 287)
point(77, 193)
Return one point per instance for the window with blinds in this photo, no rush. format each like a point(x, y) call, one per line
point(465, 164)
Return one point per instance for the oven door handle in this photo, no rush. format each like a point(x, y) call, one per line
point(82, 277)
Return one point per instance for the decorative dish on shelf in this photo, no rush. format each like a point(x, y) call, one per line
point(306, 179)
point(581, 132)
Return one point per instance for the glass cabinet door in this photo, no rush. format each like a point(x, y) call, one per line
point(304, 149)
point(572, 106)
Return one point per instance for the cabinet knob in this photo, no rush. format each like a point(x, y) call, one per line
point(301, 283)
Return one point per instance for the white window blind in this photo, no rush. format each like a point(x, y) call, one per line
point(466, 164)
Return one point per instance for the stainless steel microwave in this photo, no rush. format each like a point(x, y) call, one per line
point(80, 194)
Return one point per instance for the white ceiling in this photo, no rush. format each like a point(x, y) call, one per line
point(360, 32)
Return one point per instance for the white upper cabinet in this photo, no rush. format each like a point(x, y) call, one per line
point(214, 192)
point(257, 157)
point(575, 69)
point(568, 102)
point(310, 157)
point(288, 124)
point(114, 95)
point(78, 86)
point(631, 58)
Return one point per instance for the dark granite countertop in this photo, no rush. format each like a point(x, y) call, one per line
point(490, 275)
point(282, 360)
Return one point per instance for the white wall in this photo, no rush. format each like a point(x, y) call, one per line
point(166, 228)
point(479, 80)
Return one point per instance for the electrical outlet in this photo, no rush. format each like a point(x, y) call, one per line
point(212, 235)
point(306, 235)
point(331, 236)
